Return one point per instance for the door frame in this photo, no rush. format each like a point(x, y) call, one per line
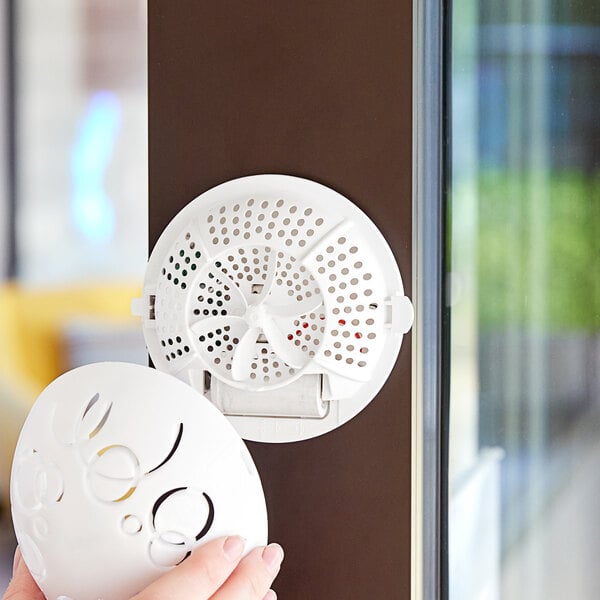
point(431, 37)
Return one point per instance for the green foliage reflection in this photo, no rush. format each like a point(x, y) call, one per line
point(509, 262)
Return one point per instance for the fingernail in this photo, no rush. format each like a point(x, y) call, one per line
point(16, 560)
point(270, 595)
point(233, 547)
point(273, 555)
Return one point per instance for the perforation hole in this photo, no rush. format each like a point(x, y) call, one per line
point(218, 346)
point(339, 264)
point(225, 228)
point(175, 347)
point(269, 368)
point(182, 261)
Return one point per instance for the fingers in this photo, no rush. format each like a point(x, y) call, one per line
point(252, 578)
point(210, 568)
point(201, 575)
point(22, 586)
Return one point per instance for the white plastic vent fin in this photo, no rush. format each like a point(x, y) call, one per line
point(268, 280)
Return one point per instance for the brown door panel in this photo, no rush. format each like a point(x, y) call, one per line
point(320, 90)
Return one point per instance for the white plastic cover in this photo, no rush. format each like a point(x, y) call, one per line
point(119, 473)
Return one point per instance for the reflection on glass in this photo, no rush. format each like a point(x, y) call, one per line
point(92, 208)
point(525, 300)
point(81, 141)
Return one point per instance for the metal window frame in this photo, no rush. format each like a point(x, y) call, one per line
point(8, 128)
point(431, 37)
point(8, 150)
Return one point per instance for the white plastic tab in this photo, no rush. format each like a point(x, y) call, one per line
point(402, 314)
point(137, 307)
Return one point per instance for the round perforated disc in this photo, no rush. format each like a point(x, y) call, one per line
point(280, 300)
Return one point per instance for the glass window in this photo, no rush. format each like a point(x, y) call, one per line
point(524, 250)
point(81, 140)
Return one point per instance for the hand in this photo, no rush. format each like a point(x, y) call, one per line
point(214, 571)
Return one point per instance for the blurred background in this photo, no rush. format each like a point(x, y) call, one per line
point(73, 199)
point(523, 260)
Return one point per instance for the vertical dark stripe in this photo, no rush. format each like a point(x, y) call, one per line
point(429, 255)
point(11, 138)
point(446, 175)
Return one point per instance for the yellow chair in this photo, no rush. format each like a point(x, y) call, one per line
point(33, 353)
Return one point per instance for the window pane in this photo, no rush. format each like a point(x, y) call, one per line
point(524, 242)
point(81, 140)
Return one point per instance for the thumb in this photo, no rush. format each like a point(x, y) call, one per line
point(22, 586)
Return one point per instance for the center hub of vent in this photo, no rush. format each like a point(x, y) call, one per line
point(255, 315)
